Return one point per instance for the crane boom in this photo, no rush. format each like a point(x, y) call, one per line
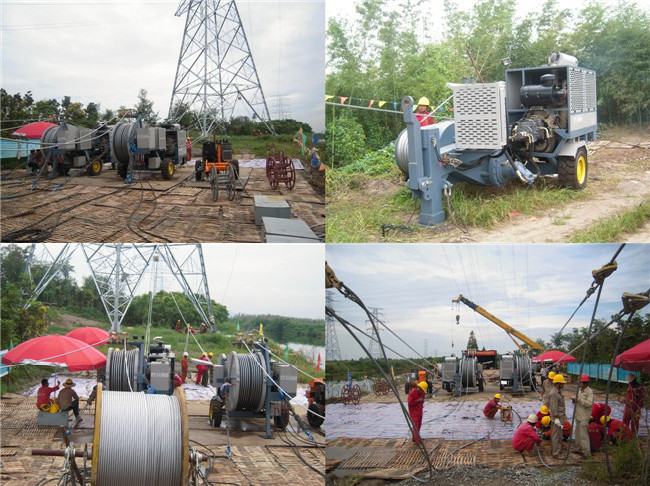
point(511, 331)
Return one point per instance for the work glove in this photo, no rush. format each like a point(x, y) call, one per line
point(557, 422)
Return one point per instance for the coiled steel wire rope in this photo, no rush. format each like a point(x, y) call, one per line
point(140, 440)
point(121, 368)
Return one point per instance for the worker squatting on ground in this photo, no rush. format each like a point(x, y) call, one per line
point(526, 437)
point(547, 386)
point(583, 405)
point(423, 113)
point(201, 369)
point(558, 413)
point(598, 410)
point(543, 412)
point(185, 366)
point(416, 404)
point(596, 434)
point(44, 392)
point(68, 398)
point(492, 407)
point(617, 431)
point(633, 404)
point(544, 427)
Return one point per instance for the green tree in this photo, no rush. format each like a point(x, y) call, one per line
point(345, 141)
point(471, 342)
point(145, 108)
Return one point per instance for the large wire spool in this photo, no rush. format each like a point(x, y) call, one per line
point(248, 390)
point(49, 138)
point(525, 368)
point(121, 134)
point(121, 368)
point(140, 439)
point(402, 152)
point(468, 372)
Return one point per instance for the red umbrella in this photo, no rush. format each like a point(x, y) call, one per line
point(56, 351)
point(555, 356)
point(90, 335)
point(636, 358)
point(33, 131)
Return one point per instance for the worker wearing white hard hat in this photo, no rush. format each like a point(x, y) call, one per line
point(525, 437)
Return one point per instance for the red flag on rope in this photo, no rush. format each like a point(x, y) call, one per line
point(318, 364)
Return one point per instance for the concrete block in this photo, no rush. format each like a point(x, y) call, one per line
point(47, 418)
point(296, 229)
point(272, 206)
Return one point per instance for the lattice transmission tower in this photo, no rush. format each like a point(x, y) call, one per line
point(216, 74)
point(331, 339)
point(373, 348)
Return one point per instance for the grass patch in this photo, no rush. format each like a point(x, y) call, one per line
point(627, 459)
point(610, 229)
point(356, 211)
point(11, 163)
point(485, 206)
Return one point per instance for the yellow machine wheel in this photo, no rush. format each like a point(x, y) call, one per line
point(573, 171)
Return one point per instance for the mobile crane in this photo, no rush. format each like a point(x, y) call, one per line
point(514, 371)
point(511, 331)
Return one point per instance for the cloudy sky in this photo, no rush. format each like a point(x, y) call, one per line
point(247, 278)
point(104, 51)
point(534, 288)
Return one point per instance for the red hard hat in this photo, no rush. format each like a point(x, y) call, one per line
point(584, 377)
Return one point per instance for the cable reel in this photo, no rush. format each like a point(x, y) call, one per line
point(140, 439)
point(248, 382)
point(121, 374)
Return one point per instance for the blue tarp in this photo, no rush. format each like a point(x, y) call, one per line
point(9, 148)
point(600, 371)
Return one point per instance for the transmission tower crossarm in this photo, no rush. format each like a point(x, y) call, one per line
point(183, 7)
point(52, 271)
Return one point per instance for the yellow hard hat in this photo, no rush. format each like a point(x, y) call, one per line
point(546, 420)
point(423, 385)
point(54, 407)
point(551, 374)
point(497, 396)
point(423, 101)
point(544, 410)
point(558, 379)
point(603, 418)
point(211, 354)
point(45, 407)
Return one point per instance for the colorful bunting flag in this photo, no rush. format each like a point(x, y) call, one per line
point(318, 365)
point(286, 353)
point(381, 103)
point(343, 99)
point(372, 102)
point(328, 97)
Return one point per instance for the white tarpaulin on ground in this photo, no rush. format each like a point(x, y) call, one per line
point(84, 386)
point(458, 420)
point(256, 164)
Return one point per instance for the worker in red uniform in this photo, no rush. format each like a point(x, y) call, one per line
point(423, 113)
point(633, 404)
point(492, 407)
point(44, 392)
point(185, 366)
point(526, 437)
point(596, 433)
point(544, 426)
point(416, 405)
point(188, 148)
point(201, 368)
point(177, 380)
point(598, 410)
point(616, 430)
point(543, 412)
